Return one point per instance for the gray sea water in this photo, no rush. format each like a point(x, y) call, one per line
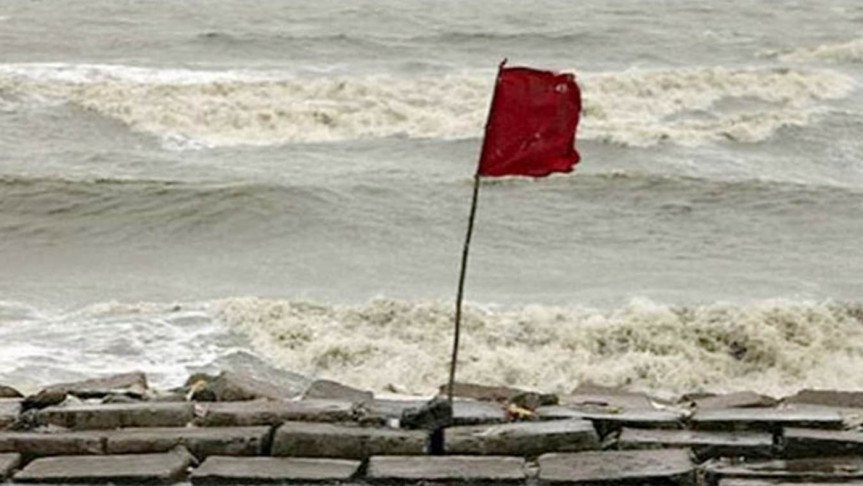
point(182, 183)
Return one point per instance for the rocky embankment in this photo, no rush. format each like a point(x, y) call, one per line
point(235, 429)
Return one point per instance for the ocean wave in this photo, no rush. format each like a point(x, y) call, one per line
point(848, 52)
point(773, 347)
point(691, 106)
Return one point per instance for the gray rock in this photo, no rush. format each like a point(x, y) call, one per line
point(255, 470)
point(114, 416)
point(817, 442)
point(134, 383)
point(379, 412)
point(201, 442)
point(769, 419)
point(470, 412)
point(501, 394)
point(592, 395)
point(8, 463)
point(43, 399)
point(302, 439)
point(131, 468)
point(705, 445)
point(327, 389)
point(35, 444)
point(830, 398)
point(744, 399)
point(668, 466)
point(9, 392)
point(432, 415)
point(10, 408)
point(446, 470)
point(232, 386)
point(522, 438)
point(820, 470)
point(607, 420)
point(261, 412)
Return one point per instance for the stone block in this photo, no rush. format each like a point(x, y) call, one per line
point(201, 442)
point(10, 408)
point(818, 442)
point(503, 394)
point(332, 390)
point(769, 419)
point(470, 412)
point(232, 386)
point(811, 470)
point(521, 438)
point(609, 420)
point(134, 383)
point(118, 415)
point(131, 468)
point(260, 412)
point(303, 439)
point(446, 470)
point(8, 463)
point(257, 470)
point(34, 444)
point(705, 445)
point(745, 399)
point(9, 392)
point(667, 466)
point(829, 398)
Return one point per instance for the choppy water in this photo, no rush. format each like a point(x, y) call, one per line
point(184, 181)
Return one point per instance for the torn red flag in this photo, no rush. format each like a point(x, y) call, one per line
point(531, 124)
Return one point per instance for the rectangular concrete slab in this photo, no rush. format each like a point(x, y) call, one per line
point(831, 398)
point(306, 439)
point(818, 442)
point(201, 442)
point(259, 412)
point(521, 438)
point(667, 466)
point(609, 420)
point(446, 469)
point(256, 470)
point(9, 410)
point(770, 419)
point(470, 412)
point(8, 463)
point(118, 415)
point(704, 444)
point(822, 469)
point(32, 444)
point(744, 399)
point(132, 469)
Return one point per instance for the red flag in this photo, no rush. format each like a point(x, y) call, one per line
point(531, 124)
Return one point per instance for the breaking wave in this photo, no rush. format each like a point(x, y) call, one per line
point(774, 347)
point(851, 52)
point(188, 109)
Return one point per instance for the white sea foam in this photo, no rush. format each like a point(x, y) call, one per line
point(636, 108)
point(773, 347)
point(851, 52)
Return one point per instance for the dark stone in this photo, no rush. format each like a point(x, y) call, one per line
point(201, 442)
point(446, 470)
point(667, 466)
point(829, 398)
point(487, 393)
point(532, 400)
point(301, 439)
point(129, 468)
point(8, 463)
point(257, 470)
point(35, 444)
point(823, 469)
point(816, 442)
point(470, 412)
point(260, 412)
point(769, 419)
point(327, 389)
point(705, 445)
point(43, 399)
point(10, 409)
point(744, 399)
point(114, 416)
point(521, 438)
point(607, 420)
point(592, 395)
point(133, 384)
point(9, 392)
point(432, 415)
point(232, 387)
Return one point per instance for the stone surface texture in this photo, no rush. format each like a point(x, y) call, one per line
point(767, 418)
point(260, 412)
point(201, 442)
point(252, 470)
point(704, 444)
point(301, 439)
point(8, 463)
point(448, 469)
point(9, 410)
point(826, 469)
point(522, 438)
point(133, 469)
point(34, 444)
point(612, 467)
point(118, 415)
point(135, 383)
point(336, 391)
point(815, 442)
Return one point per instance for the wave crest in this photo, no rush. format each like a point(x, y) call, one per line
point(850, 52)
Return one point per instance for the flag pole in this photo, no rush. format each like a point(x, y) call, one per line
point(466, 250)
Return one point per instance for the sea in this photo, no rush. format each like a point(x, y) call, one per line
point(283, 188)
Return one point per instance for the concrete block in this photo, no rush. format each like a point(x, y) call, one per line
point(8, 463)
point(609, 420)
point(134, 383)
point(132, 468)
point(33, 444)
point(470, 412)
point(259, 412)
point(830, 398)
point(668, 466)
point(521, 438)
point(770, 419)
point(201, 442)
point(118, 415)
point(446, 469)
point(745, 399)
point(819, 470)
point(818, 442)
point(10, 408)
point(332, 390)
point(256, 470)
point(705, 445)
point(302, 439)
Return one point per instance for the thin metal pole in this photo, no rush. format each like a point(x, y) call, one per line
point(460, 294)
